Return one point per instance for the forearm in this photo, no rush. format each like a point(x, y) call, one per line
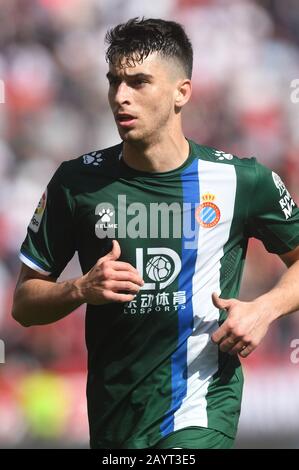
point(39, 302)
point(284, 297)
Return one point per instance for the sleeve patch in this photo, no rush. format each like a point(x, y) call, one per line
point(38, 214)
point(286, 201)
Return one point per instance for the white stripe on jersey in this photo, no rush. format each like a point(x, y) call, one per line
point(32, 265)
point(202, 355)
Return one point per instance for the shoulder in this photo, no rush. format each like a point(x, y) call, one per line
point(217, 156)
point(96, 161)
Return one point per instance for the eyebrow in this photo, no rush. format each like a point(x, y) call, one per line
point(140, 75)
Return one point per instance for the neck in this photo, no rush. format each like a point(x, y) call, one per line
point(164, 154)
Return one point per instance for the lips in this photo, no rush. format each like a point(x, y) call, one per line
point(125, 119)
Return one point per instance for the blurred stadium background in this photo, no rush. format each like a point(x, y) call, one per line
point(52, 69)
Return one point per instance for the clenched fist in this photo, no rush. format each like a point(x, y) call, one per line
point(110, 280)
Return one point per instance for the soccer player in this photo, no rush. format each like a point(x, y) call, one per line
point(161, 226)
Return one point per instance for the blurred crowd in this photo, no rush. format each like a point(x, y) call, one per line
point(53, 107)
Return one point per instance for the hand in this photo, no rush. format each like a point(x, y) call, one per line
point(110, 280)
point(245, 326)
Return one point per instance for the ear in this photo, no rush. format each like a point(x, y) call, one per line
point(183, 92)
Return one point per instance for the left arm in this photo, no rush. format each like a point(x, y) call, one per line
point(248, 322)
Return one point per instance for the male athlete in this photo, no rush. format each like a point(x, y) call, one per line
point(161, 226)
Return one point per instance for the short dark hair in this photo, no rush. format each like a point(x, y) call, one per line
point(137, 38)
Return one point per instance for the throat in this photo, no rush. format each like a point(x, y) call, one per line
point(158, 158)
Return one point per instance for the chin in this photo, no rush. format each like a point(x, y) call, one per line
point(131, 136)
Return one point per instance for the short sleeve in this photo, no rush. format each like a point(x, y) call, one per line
point(50, 244)
point(273, 215)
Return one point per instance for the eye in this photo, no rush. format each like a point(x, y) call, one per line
point(138, 82)
point(113, 81)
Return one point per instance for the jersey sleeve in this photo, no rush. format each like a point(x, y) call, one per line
point(50, 240)
point(273, 215)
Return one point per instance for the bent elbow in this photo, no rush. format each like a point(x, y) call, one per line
point(19, 317)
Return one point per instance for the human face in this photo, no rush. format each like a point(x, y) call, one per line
point(142, 98)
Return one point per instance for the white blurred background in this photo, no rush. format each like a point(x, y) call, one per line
point(54, 108)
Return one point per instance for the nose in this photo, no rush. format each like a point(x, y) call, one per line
point(122, 94)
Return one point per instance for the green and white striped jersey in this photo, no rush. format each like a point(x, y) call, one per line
point(152, 367)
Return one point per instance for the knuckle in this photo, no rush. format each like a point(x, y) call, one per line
point(108, 294)
point(106, 265)
point(106, 272)
point(133, 277)
point(131, 286)
point(105, 285)
point(230, 325)
point(105, 294)
point(128, 266)
point(238, 332)
point(124, 298)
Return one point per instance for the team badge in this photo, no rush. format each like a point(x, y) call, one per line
point(207, 213)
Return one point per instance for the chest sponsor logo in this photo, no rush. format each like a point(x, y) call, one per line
point(208, 213)
point(159, 267)
point(38, 214)
point(162, 266)
point(286, 202)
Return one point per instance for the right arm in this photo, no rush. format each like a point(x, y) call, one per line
point(39, 299)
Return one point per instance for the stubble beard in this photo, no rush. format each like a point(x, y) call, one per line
point(147, 136)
